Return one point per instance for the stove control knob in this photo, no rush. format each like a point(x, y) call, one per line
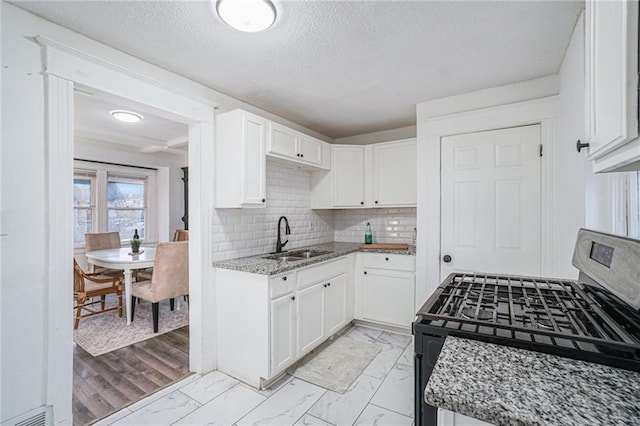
point(446, 258)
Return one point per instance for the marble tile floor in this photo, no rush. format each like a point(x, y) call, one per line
point(381, 395)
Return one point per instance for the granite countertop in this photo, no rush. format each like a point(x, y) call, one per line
point(510, 386)
point(258, 265)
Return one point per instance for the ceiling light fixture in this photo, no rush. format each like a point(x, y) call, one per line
point(247, 15)
point(126, 116)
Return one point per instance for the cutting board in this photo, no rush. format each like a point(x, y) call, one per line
point(384, 246)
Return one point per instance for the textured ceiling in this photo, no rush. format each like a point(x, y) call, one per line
point(340, 68)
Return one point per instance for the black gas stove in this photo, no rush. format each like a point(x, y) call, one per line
point(596, 319)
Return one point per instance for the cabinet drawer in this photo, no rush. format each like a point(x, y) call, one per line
point(320, 272)
point(282, 284)
point(396, 262)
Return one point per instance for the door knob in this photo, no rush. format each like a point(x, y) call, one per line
point(446, 258)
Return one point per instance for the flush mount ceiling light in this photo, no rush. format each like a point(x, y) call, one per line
point(247, 15)
point(126, 116)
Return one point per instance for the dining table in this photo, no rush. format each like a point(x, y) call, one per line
point(123, 258)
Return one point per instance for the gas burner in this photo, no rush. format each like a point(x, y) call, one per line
point(543, 323)
point(483, 314)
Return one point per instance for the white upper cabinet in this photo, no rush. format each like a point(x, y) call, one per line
point(348, 177)
point(394, 174)
point(288, 144)
point(378, 175)
point(611, 52)
point(240, 160)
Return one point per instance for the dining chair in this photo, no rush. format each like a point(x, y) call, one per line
point(89, 285)
point(103, 241)
point(170, 279)
point(178, 235)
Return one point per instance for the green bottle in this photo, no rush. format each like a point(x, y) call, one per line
point(135, 242)
point(368, 238)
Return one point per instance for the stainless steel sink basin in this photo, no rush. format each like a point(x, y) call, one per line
point(295, 256)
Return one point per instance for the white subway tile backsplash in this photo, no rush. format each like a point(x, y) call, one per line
point(251, 232)
point(392, 225)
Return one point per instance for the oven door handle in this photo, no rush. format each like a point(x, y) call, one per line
point(417, 366)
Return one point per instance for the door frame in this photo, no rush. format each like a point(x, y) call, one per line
point(64, 67)
point(430, 131)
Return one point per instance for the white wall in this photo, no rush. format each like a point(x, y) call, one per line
point(22, 206)
point(569, 166)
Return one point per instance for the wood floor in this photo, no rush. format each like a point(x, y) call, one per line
point(110, 382)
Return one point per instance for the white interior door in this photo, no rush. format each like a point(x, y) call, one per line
point(491, 202)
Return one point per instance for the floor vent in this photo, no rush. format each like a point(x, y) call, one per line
point(39, 417)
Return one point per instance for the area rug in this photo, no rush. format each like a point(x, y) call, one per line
point(337, 365)
point(103, 333)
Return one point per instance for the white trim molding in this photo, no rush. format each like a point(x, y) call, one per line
point(431, 130)
point(59, 202)
point(63, 68)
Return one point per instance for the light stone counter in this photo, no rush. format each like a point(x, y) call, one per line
point(258, 265)
point(510, 386)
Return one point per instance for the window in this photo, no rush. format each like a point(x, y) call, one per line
point(83, 205)
point(126, 205)
point(110, 198)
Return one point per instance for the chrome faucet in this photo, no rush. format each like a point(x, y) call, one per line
point(287, 231)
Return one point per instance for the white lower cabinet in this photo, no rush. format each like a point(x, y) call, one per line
point(335, 302)
point(266, 323)
point(283, 332)
point(310, 318)
point(388, 297)
point(385, 289)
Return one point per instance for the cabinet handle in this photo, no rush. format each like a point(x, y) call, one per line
point(284, 278)
point(328, 284)
point(293, 298)
point(580, 145)
point(376, 201)
point(298, 155)
point(365, 272)
point(263, 200)
point(301, 155)
point(386, 258)
point(362, 203)
point(324, 285)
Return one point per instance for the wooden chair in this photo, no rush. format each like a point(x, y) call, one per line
point(87, 286)
point(103, 241)
point(170, 278)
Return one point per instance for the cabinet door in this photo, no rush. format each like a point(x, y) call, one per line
point(348, 176)
point(254, 164)
point(611, 65)
point(394, 174)
point(310, 323)
point(310, 150)
point(283, 348)
point(282, 141)
point(335, 302)
point(388, 297)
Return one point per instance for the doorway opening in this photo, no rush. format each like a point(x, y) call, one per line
point(127, 178)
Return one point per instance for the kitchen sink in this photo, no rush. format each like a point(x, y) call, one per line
point(295, 256)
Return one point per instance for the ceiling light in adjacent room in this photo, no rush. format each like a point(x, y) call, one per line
point(247, 15)
point(126, 116)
